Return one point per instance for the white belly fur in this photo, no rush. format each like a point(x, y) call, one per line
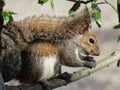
point(49, 66)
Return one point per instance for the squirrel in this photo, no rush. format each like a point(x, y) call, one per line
point(43, 57)
point(17, 36)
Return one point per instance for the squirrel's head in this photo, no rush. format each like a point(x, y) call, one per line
point(87, 43)
point(90, 44)
point(86, 40)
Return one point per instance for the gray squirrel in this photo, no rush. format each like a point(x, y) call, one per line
point(54, 42)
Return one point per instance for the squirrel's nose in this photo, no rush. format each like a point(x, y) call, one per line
point(97, 53)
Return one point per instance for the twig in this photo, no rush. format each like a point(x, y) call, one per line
point(115, 56)
point(111, 5)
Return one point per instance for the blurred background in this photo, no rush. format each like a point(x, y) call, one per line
point(106, 79)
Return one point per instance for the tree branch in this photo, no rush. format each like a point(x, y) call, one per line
point(115, 56)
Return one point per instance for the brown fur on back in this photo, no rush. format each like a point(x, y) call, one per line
point(56, 28)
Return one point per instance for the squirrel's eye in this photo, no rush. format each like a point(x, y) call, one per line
point(91, 40)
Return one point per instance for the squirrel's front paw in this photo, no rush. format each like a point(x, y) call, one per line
point(89, 58)
point(90, 64)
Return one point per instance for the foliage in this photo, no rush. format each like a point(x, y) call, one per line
point(52, 4)
point(74, 8)
point(118, 9)
point(118, 63)
point(8, 16)
point(60, 70)
point(44, 1)
point(96, 14)
point(117, 26)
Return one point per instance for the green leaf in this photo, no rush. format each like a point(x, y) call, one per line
point(118, 9)
point(118, 39)
point(42, 1)
point(8, 16)
point(74, 8)
point(52, 4)
point(9, 19)
point(96, 15)
point(117, 26)
point(118, 63)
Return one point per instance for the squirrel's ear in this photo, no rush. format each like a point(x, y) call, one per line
point(81, 22)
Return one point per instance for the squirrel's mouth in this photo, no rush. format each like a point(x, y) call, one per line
point(84, 52)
